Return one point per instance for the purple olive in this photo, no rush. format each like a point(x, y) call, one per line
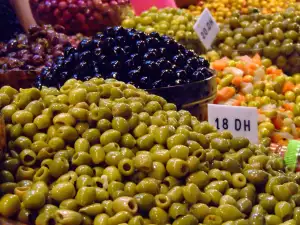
point(37, 49)
point(33, 29)
point(58, 47)
point(44, 42)
point(13, 63)
point(58, 53)
point(12, 45)
point(37, 60)
point(12, 55)
point(59, 28)
point(26, 58)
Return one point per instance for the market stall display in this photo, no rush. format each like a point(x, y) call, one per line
point(102, 151)
point(79, 16)
point(275, 37)
point(174, 22)
point(255, 83)
point(145, 60)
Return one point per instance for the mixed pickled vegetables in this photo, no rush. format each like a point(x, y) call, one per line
point(255, 82)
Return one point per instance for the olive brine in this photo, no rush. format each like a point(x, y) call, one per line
point(147, 61)
point(103, 152)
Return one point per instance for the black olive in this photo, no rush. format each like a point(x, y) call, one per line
point(114, 75)
point(109, 32)
point(167, 75)
point(164, 64)
point(179, 60)
point(134, 75)
point(198, 75)
point(206, 72)
point(115, 65)
point(152, 42)
point(144, 82)
point(119, 31)
point(69, 50)
point(181, 74)
point(140, 47)
point(150, 56)
point(85, 56)
point(154, 34)
point(118, 52)
point(120, 40)
point(85, 45)
point(203, 62)
point(97, 52)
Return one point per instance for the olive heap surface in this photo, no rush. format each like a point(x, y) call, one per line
point(103, 152)
point(147, 61)
point(273, 36)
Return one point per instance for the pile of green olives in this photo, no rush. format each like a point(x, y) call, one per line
point(174, 22)
point(274, 36)
point(103, 152)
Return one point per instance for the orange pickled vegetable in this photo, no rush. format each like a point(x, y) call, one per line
point(278, 122)
point(257, 59)
point(288, 106)
point(248, 79)
point(224, 94)
point(287, 86)
point(219, 64)
point(278, 139)
point(237, 80)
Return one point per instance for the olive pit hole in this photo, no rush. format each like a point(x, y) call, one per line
point(51, 221)
point(162, 200)
point(184, 169)
point(167, 183)
point(99, 184)
point(126, 166)
point(131, 205)
point(28, 158)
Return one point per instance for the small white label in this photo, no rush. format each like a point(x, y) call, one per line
point(206, 28)
point(241, 121)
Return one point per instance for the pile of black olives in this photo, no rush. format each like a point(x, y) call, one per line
point(103, 152)
point(274, 36)
point(147, 61)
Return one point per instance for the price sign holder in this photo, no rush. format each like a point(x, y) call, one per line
point(206, 28)
point(241, 121)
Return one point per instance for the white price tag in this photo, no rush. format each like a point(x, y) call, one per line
point(241, 121)
point(206, 28)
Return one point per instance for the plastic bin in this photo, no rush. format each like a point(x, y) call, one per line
point(193, 97)
point(141, 5)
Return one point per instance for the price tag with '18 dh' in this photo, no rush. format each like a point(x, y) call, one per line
point(241, 121)
point(206, 28)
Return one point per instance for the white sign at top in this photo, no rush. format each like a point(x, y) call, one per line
point(206, 28)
